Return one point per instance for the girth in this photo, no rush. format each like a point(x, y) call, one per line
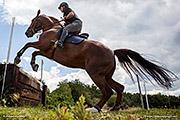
point(52, 55)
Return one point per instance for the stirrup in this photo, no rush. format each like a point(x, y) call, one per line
point(60, 44)
point(57, 43)
point(54, 43)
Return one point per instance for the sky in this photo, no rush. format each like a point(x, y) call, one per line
point(151, 28)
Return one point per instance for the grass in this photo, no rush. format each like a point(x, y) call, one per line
point(19, 113)
point(78, 112)
point(39, 113)
point(140, 114)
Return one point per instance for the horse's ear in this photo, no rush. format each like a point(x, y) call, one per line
point(39, 11)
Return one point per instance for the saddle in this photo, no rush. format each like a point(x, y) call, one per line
point(74, 38)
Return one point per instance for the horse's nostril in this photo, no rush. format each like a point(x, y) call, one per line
point(28, 33)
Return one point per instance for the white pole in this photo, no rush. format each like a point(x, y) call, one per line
point(146, 96)
point(42, 63)
point(7, 61)
point(142, 103)
point(3, 3)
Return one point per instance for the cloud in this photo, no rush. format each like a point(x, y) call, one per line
point(53, 77)
point(27, 59)
point(148, 27)
point(4, 60)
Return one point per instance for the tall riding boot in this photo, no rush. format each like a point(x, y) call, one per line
point(62, 38)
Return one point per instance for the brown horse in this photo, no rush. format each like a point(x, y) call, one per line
point(97, 59)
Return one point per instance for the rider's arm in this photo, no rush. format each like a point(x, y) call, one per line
point(70, 15)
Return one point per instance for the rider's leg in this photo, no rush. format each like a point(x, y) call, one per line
point(76, 26)
point(62, 37)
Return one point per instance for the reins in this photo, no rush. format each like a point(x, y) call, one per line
point(42, 27)
point(55, 45)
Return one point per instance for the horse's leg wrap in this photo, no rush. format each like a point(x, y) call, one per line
point(19, 54)
point(17, 59)
point(97, 107)
point(33, 59)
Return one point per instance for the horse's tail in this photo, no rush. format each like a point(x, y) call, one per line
point(133, 62)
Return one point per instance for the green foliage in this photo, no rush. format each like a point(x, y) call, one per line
point(1, 77)
point(80, 112)
point(111, 101)
point(91, 93)
point(155, 101)
point(62, 113)
point(9, 98)
point(74, 113)
point(68, 94)
point(25, 113)
point(61, 96)
point(163, 101)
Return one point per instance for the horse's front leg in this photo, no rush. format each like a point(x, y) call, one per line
point(17, 59)
point(33, 60)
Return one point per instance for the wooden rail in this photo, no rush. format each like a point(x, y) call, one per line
point(30, 89)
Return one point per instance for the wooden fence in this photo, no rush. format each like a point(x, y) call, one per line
point(30, 89)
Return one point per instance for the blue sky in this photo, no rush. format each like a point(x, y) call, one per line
point(149, 27)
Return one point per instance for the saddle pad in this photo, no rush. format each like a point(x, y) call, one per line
point(74, 39)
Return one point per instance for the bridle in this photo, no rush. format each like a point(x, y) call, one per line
point(35, 30)
point(34, 24)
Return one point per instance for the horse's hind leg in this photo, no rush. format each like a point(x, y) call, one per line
point(33, 60)
point(106, 90)
point(119, 89)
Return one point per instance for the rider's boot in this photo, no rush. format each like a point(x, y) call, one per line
point(60, 42)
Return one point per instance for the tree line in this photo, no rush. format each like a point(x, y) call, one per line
point(68, 93)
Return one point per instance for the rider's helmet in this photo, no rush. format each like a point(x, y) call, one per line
point(63, 4)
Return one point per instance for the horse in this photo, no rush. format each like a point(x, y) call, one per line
point(94, 57)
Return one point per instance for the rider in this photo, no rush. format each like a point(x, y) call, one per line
point(72, 23)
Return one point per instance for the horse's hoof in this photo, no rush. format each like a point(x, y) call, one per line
point(17, 60)
point(115, 108)
point(35, 67)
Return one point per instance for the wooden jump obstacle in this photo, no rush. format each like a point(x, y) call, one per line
point(30, 89)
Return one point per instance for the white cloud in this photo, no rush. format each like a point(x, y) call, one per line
point(149, 27)
point(51, 78)
point(4, 61)
point(175, 92)
point(27, 59)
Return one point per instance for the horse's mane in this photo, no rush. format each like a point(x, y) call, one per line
point(53, 19)
point(50, 17)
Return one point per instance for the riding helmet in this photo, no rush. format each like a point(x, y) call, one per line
point(63, 4)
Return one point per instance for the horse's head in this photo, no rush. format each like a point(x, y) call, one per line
point(35, 26)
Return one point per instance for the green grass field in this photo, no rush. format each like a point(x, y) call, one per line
point(39, 113)
point(78, 112)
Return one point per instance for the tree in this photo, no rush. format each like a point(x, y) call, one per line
point(69, 92)
point(91, 93)
point(61, 96)
point(111, 101)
